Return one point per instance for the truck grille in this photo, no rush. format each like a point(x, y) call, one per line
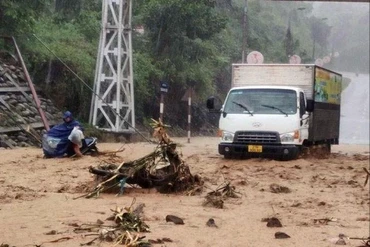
point(256, 137)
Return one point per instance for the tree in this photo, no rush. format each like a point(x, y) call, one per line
point(289, 43)
point(18, 17)
point(179, 35)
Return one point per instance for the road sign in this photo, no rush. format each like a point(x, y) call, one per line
point(164, 86)
point(255, 57)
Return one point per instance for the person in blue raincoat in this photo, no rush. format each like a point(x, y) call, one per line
point(64, 139)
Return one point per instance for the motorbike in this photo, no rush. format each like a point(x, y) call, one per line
point(61, 147)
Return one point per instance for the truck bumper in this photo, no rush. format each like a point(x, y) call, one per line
point(232, 150)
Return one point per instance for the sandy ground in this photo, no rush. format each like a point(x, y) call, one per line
point(37, 205)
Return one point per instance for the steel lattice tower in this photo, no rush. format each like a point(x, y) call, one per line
point(112, 104)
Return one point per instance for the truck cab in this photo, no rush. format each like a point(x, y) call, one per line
point(268, 120)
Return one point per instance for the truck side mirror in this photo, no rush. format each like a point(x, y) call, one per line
point(211, 103)
point(310, 105)
point(214, 104)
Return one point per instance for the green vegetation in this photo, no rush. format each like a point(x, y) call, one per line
point(184, 43)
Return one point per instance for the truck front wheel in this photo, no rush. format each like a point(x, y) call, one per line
point(320, 151)
point(290, 156)
point(228, 156)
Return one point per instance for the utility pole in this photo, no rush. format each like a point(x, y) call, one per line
point(112, 104)
point(189, 113)
point(189, 95)
point(245, 27)
point(161, 107)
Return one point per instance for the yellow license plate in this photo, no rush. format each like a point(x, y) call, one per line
point(254, 149)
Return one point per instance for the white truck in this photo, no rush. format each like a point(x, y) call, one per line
point(278, 110)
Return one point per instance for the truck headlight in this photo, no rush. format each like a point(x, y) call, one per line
point(287, 138)
point(227, 136)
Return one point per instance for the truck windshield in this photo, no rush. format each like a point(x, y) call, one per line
point(262, 101)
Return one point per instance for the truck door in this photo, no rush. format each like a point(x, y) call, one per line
point(303, 115)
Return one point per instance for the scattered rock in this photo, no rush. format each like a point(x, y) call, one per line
point(281, 235)
point(340, 240)
point(298, 204)
point(6, 245)
point(211, 223)
point(242, 182)
point(274, 222)
point(352, 182)
point(52, 232)
point(174, 219)
point(275, 188)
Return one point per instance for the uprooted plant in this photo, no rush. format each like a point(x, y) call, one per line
point(125, 231)
point(163, 169)
point(217, 197)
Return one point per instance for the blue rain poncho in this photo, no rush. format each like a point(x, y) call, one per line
point(55, 142)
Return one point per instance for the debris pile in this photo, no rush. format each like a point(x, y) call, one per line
point(162, 169)
point(217, 197)
point(125, 230)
